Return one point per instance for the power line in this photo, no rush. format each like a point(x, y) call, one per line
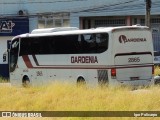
point(105, 6)
point(84, 9)
point(121, 6)
point(37, 2)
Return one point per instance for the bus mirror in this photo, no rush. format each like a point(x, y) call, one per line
point(15, 44)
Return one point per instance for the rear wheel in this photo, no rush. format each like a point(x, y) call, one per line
point(103, 83)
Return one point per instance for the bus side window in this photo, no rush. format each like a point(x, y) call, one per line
point(84, 44)
point(51, 46)
point(93, 43)
point(35, 48)
point(102, 42)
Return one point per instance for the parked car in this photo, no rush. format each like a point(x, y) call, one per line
point(157, 58)
point(157, 67)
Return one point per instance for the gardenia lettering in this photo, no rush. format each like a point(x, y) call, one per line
point(135, 40)
point(84, 59)
point(124, 39)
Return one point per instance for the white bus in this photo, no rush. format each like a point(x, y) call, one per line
point(113, 55)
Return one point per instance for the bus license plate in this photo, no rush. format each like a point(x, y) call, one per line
point(134, 78)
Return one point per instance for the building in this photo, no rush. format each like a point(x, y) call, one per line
point(80, 13)
point(22, 16)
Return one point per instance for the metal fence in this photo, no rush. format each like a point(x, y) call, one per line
point(110, 22)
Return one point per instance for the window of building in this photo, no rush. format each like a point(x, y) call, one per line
point(66, 22)
point(58, 23)
point(49, 23)
point(54, 20)
point(110, 22)
point(153, 21)
point(41, 23)
point(142, 21)
point(135, 21)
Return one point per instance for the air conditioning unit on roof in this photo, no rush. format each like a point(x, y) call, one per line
point(22, 12)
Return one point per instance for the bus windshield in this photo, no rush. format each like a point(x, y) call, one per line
point(14, 54)
point(65, 44)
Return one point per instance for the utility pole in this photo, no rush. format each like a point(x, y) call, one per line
point(148, 9)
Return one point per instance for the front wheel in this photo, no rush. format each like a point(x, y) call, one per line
point(26, 81)
point(81, 81)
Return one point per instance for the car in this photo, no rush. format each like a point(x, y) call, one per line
point(157, 80)
point(156, 58)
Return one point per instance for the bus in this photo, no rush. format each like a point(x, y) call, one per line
point(106, 55)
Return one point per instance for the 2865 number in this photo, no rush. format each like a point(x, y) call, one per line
point(135, 59)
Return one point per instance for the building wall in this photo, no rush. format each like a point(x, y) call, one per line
point(3, 47)
point(33, 23)
point(76, 8)
point(82, 13)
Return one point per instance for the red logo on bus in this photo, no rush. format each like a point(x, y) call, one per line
point(124, 39)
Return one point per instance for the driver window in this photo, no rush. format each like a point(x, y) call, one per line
point(14, 54)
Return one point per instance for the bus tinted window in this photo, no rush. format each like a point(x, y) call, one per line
point(66, 44)
point(14, 54)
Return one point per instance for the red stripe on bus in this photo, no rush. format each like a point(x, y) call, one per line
point(35, 60)
point(27, 61)
point(88, 67)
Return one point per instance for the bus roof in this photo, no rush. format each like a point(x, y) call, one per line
point(74, 30)
point(51, 30)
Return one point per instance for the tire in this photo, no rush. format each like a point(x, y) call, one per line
point(103, 83)
point(157, 80)
point(26, 81)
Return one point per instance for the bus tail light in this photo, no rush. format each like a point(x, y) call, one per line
point(113, 73)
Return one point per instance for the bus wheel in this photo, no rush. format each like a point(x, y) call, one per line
point(81, 81)
point(103, 83)
point(25, 81)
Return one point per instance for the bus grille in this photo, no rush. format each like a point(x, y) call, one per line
point(102, 76)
